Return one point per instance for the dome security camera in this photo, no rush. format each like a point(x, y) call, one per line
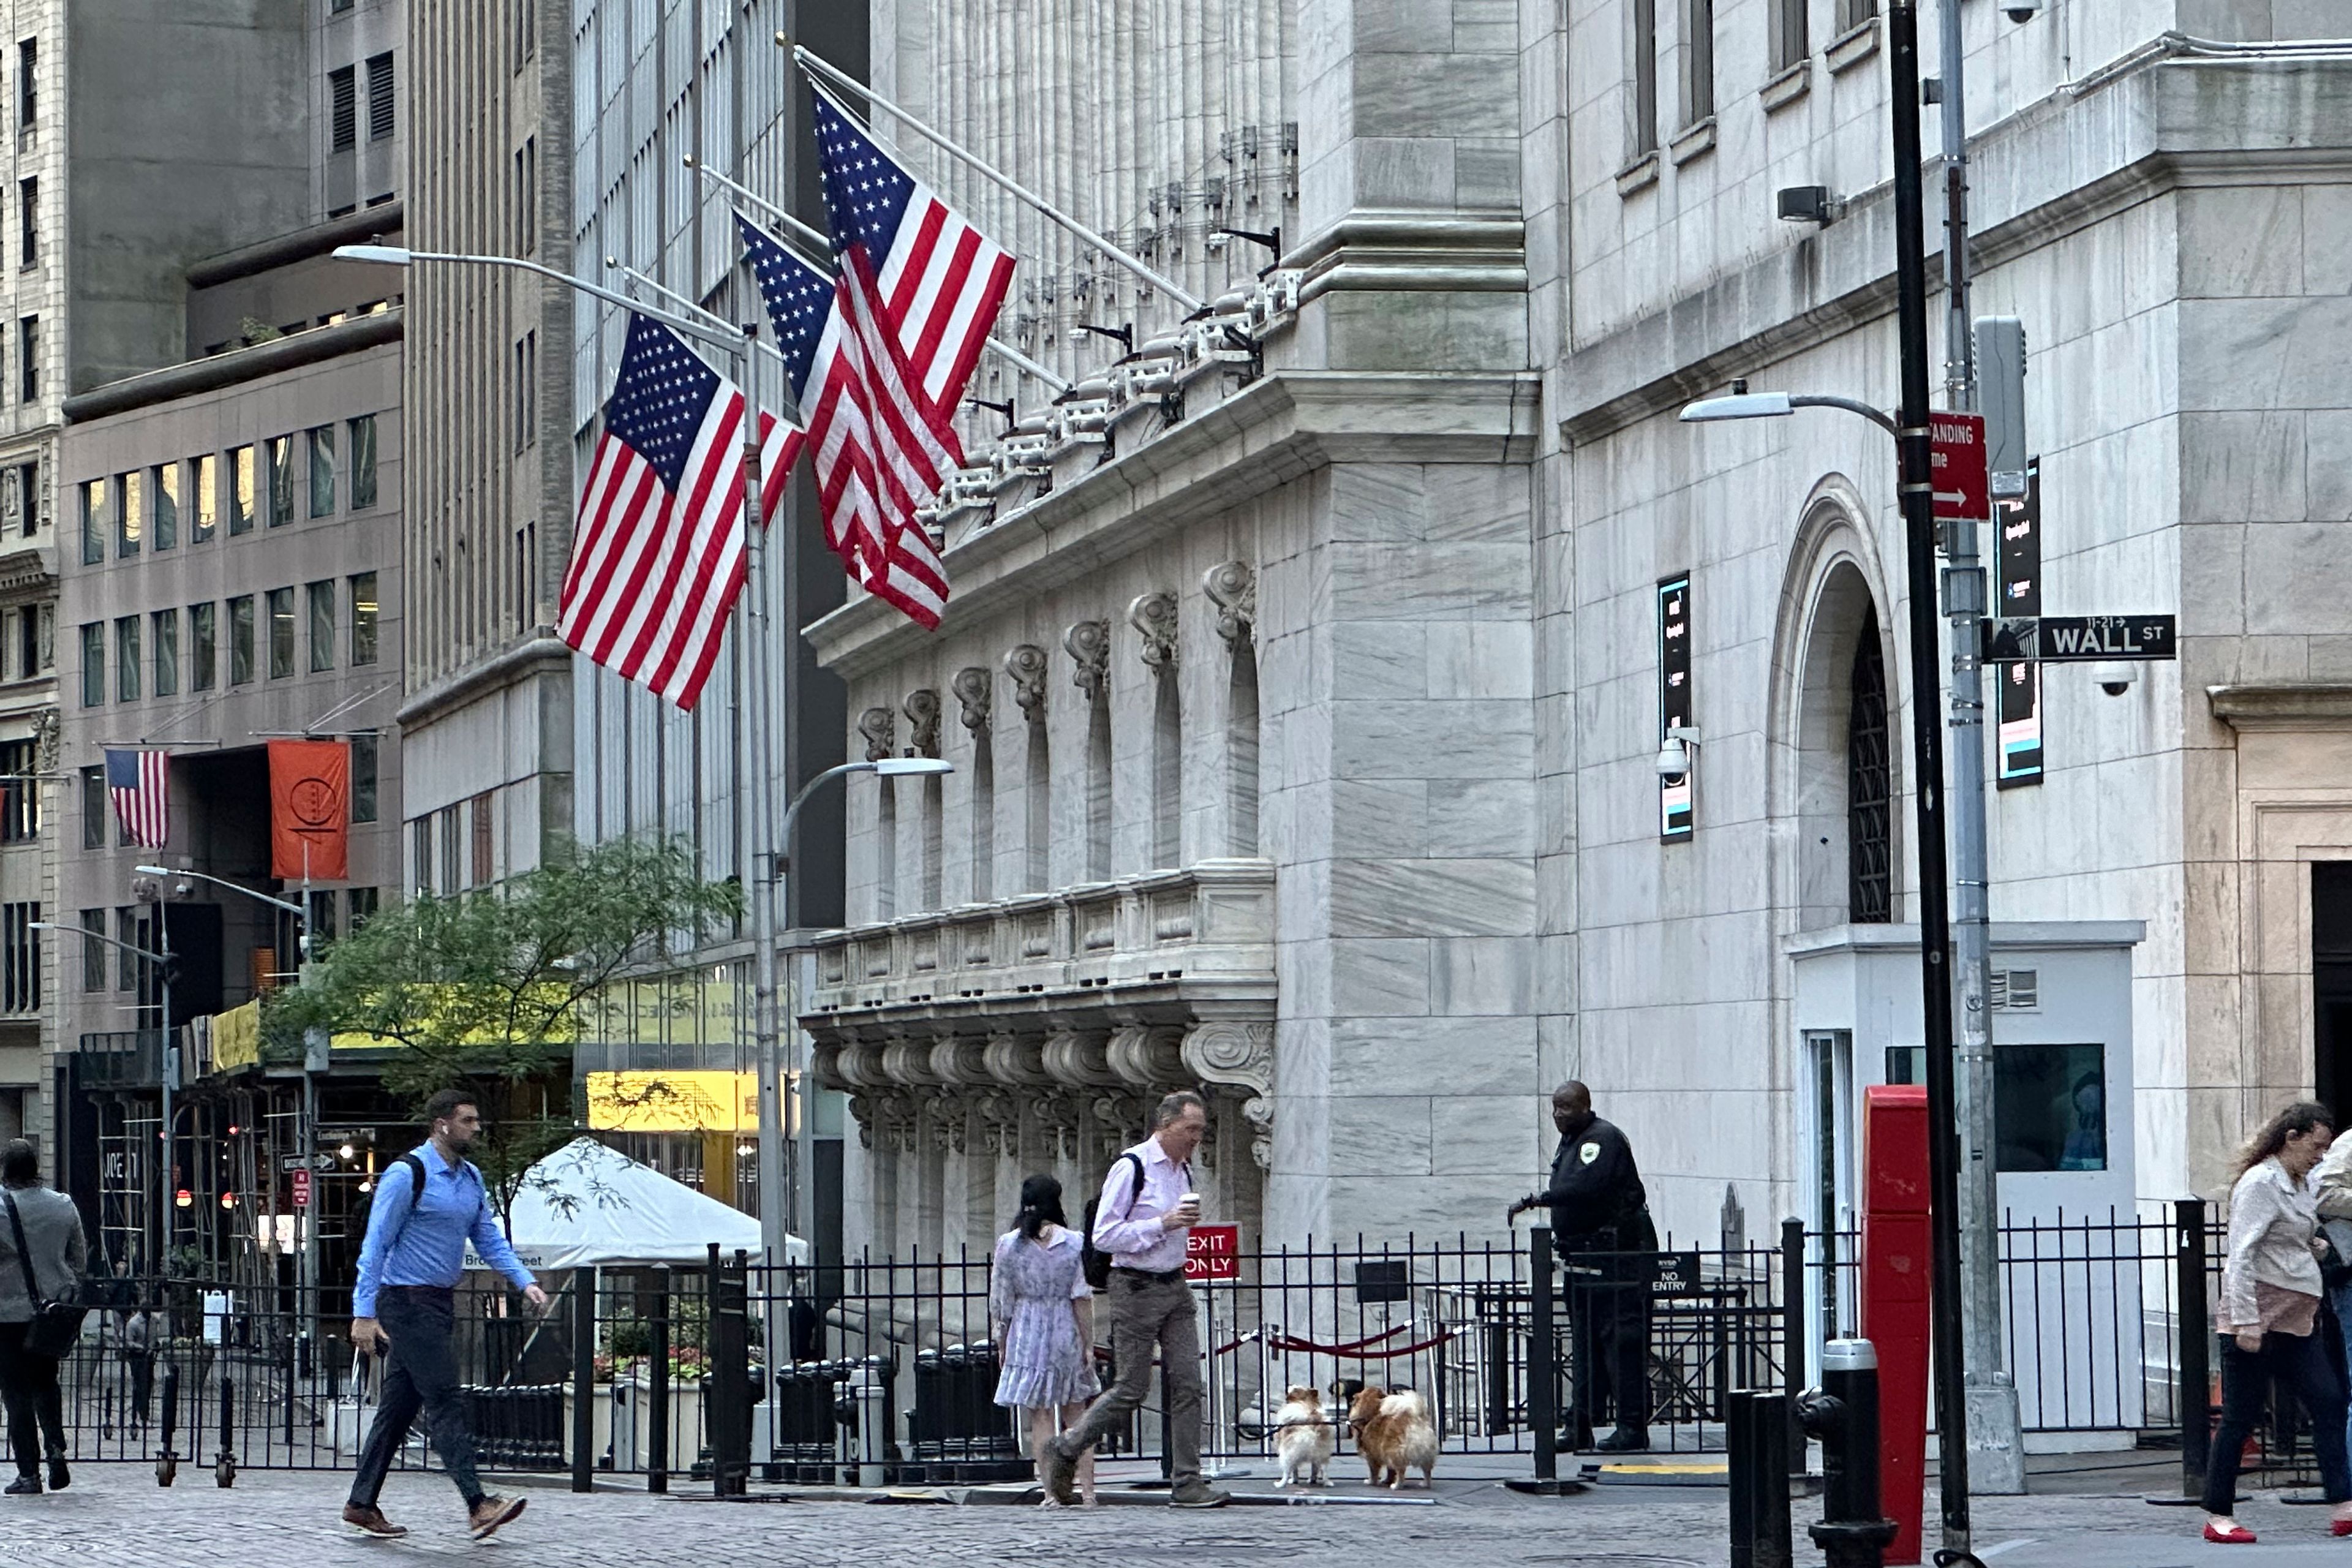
point(2114, 676)
point(1673, 759)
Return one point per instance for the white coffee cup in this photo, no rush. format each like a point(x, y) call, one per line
point(1190, 1201)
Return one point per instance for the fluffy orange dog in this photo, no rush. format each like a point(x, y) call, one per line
point(1395, 1434)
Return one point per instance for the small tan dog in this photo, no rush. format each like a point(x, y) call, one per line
point(1304, 1438)
point(1395, 1434)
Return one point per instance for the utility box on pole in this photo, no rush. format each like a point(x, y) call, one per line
point(2000, 396)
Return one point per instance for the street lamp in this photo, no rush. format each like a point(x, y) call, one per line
point(169, 1068)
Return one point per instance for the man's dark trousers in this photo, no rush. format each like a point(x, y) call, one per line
point(1609, 1318)
point(420, 1374)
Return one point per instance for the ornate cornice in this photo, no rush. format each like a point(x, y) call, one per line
point(1088, 642)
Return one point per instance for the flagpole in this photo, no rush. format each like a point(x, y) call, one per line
point(817, 66)
point(776, 1202)
point(823, 257)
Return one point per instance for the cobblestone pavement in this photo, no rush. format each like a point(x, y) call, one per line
point(116, 1514)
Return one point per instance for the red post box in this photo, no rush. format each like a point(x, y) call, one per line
point(1897, 1247)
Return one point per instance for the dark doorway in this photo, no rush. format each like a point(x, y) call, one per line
point(1869, 786)
point(2331, 984)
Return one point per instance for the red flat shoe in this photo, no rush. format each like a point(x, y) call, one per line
point(2339, 1527)
point(2237, 1535)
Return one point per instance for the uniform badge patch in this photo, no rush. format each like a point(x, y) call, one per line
point(1590, 1152)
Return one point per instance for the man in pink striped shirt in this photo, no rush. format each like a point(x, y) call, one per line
point(1144, 1219)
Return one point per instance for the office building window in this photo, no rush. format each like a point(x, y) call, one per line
point(364, 462)
point(526, 182)
point(133, 487)
point(129, 929)
point(24, 658)
point(525, 31)
point(93, 521)
point(323, 471)
point(93, 954)
point(95, 808)
point(164, 489)
point(420, 854)
point(319, 918)
point(280, 450)
point(526, 576)
point(362, 903)
point(526, 366)
point(126, 659)
point(450, 843)
point(240, 639)
point(481, 812)
point(363, 618)
point(364, 765)
point(342, 109)
point(20, 792)
point(1790, 40)
point(205, 479)
point(20, 958)
point(93, 665)
point(381, 98)
point(336, 8)
point(29, 223)
point(29, 359)
point(1853, 13)
point(321, 597)
point(167, 653)
point(31, 501)
point(1643, 45)
point(1698, 60)
point(201, 631)
point(281, 633)
point(28, 96)
point(240, 490)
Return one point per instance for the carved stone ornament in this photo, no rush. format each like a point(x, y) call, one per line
point(880, 729)
point(1238, 1055)
point(48, 731)
point(974, 691)
point(1154, 617)
point(1089, 645)
point(1026, 666)
point(1232, 587)
point(1118, 1122)
point(1148, 1056)
point(1075, 1057)
point(922, 710)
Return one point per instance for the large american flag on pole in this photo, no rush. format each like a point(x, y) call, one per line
point(138, 782)
point(658, 551)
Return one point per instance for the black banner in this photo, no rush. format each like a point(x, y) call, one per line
point(2019, 700)
point(1674, 821)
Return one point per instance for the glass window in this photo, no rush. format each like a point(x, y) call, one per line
point(29, 359)
point(281, 480)
point(31, 499)
point(201, 634)
point(206, 484)
point(362, 906)
point(364, 462)
point(126, 659)
point(323, 471)
point(93, 664)
point(364, 763)
point(321, 596)
point(135, 512)
point(240, 490)
point(320, 922)
point(1906, 1064)
point(25, 659)
point(2050, 1107)
point(93, 954)
point(93, 521)
point(164, 482)
point(363, 618)
point(48, 637)
point(240, 639)
point(94, 808)
point(167, 653)
point(281, 633)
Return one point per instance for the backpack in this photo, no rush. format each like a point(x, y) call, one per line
point(416, 1195)
point(1092, 1259)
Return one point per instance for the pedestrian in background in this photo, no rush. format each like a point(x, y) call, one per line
point(2270, 1306)
point(139, 1360)
point(1042, 1315)
point(428, 1204)
point(45, 1256)
point(1144, 1219)
point(1600, 1225)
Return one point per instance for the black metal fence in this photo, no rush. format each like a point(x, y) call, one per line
point(885, 1373)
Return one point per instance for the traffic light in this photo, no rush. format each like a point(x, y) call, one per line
point(2000, 395)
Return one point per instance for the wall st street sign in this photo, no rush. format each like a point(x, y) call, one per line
point(2063, 640)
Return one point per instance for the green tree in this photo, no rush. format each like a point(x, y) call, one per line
point(489, 990)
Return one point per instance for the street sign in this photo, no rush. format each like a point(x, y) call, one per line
point(307, 1161)
point(1956, 447)
point(1214, 1252)
point(2079, 640)
point(301, 1189)
point(1674, 1274)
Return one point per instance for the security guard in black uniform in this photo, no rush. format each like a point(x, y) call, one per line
point(1597, 1207)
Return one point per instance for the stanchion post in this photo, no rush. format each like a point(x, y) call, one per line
point(584, 1379)
point(1772, 1423)
point(2195, 1393)
point(1543, 1356)
point(1793, 1336)
point(1739, 1438)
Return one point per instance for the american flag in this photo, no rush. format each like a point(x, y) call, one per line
point(658, 551)
point(137, 782)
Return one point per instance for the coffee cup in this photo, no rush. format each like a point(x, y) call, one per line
point(1189, 1201)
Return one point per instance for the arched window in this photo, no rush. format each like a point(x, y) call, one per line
point(1241, 751)
point(1870, 881)
point(1167, 771)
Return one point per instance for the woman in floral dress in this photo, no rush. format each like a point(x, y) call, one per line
point(1041, 1314)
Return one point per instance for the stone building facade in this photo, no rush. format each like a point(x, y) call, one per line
point(1303, 674)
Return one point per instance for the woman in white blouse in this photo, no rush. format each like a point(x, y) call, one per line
point(2270, 1305)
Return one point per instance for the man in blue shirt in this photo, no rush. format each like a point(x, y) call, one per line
point(404, 1309)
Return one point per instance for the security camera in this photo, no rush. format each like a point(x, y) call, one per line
point(2114, 676)
point(2021, 10)
point(183, 889)
point(1673, 760)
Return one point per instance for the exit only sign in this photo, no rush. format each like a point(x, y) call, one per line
point(1214, 1252)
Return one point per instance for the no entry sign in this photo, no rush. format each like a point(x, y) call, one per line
point(1957, 460)
point(301, 1189)
point(1214, 1252)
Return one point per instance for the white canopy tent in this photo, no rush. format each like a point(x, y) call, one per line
point(587, 1206)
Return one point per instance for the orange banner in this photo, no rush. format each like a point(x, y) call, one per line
point(309, 810)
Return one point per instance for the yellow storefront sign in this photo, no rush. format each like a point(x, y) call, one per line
point(688, 1101)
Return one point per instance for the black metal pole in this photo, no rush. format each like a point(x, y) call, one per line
point(1792, 1338)
point(2196, 1391)
point(657, 1392)
point(1543, 1356)
point(584, 1380)
point(1919, 496)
